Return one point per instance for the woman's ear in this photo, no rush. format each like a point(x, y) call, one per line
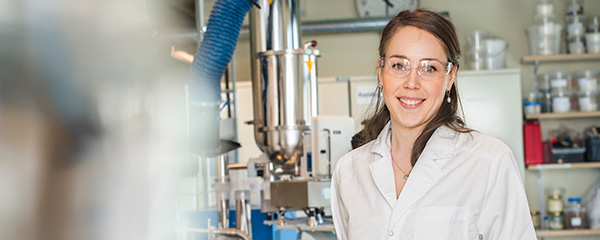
point(452, 78)
point(379, 72)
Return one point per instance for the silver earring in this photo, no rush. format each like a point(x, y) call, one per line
point(380, 90)
point(448, 99)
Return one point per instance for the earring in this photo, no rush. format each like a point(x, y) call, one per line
point(448, 99)
point(380, 90)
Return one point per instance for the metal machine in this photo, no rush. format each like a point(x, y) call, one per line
point(299, 147)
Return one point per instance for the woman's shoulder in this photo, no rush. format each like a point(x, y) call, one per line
point(358, 156)
point(481, 143)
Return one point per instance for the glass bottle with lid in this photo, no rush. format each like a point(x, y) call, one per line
point(575, 215)
point(556, 221)
point(555, 202)
point(543, 88)
point(535, 218)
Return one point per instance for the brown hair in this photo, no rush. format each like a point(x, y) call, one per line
point(447, 114)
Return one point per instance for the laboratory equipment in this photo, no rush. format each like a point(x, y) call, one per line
point(535, 218)
point(587, 80)
point(543, 88)
point(476, 49)
point(545, 34)
point(588, 101)
point(575, 33)
point(485, 50)
point(575, 215)
point(555, 202)
point(556, 221)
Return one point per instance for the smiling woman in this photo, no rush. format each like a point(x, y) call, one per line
point(420, 173)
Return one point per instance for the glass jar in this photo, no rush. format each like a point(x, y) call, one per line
point(574, 6)
point(587, 80)
point(531, 104)
point(556, 221)
point(593, 24)
point(543, 88)
point(561, 102)
point(575, 26)
point(575, 215)
point(555, 202)
point(547, 34)
point(588, 101)
point(535, 218)
point(560, 81)
point(544, 7)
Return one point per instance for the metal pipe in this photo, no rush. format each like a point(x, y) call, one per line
point(230, 232)
point(308, 27)
point(243, 211)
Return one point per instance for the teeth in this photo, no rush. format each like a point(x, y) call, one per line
point(411, 102)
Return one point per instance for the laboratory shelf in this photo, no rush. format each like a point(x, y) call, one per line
point(562, 115)
point(560, 58)
point(551, 166)
point(563, 233)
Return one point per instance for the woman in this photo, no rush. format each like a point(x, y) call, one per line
point(423, 174)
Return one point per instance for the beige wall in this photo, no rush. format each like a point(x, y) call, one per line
point(351, 54)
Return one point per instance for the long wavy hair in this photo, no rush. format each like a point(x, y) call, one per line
point(447, 115)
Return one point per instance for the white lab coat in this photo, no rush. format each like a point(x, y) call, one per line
point(464, 186)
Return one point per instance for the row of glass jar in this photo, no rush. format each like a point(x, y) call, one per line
point(564, 81)
point(562, 102)
point(561, 91)
point(573, 217)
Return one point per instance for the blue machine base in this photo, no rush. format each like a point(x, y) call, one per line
point(260, 231)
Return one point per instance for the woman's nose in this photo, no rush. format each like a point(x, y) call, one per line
point(411, 81)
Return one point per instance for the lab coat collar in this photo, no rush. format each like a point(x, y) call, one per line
point(381, 170)
point(424, 175)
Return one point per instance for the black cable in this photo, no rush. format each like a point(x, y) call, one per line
point(254, 3)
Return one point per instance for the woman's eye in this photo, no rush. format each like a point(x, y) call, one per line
point(398, 66)
point(429, 69)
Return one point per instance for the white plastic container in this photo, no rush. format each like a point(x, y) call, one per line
point(544, 44)
point(593, 42)
point(575, 26)
point(544, 7)
point(495, 53)
point(588, 101)
point(560, 82)
point(576, 45)
point(476, 49)
point(561, 102)
point(587, 80)
point(574, 6)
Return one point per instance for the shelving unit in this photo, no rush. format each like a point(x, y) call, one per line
point(566, 233)
point(559, 58)
point(550, 166)
point(562, 115)
point(539, 168)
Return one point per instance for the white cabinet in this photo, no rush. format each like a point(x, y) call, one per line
point(491, 101)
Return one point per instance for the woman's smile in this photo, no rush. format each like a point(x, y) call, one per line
point(410, 103)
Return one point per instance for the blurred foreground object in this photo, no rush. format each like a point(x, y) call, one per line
point(91, 120)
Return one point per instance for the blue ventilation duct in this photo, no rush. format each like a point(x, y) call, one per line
point(210, 62)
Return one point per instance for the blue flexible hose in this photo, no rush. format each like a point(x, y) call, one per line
point(210, 61)
point(216, 49)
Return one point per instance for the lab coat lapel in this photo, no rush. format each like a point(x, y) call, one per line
point(383, 176)
point(381, 167)
point(426, 173)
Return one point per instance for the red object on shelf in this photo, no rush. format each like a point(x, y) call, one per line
point(533, 143)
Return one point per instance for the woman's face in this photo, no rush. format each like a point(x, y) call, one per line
point(412, 100)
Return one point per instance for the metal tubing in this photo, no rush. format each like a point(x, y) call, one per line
point(242, 211)
point(308, 27)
